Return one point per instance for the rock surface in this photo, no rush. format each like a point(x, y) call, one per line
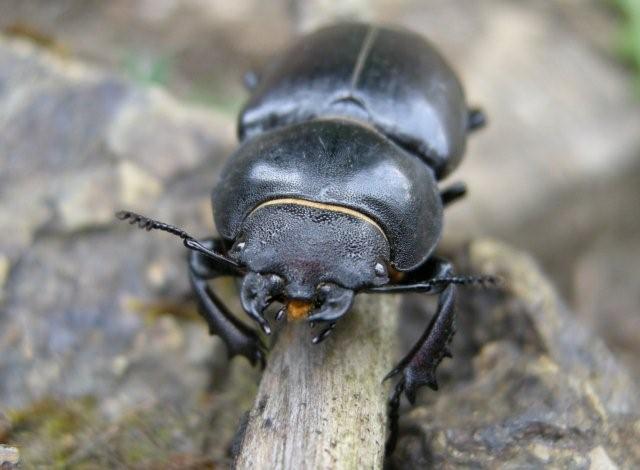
point(99, 357)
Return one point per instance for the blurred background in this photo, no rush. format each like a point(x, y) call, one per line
point(122, 103)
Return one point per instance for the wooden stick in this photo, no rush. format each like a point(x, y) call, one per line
point(324, 406)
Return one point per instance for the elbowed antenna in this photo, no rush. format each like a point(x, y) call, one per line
point(438, 283)
point(189, 241)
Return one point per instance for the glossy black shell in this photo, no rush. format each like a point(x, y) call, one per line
point(392, 79)
point(341, 162)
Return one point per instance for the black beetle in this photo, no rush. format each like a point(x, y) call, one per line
point(333, 191)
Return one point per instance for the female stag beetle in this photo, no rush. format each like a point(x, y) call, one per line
point(333, 191)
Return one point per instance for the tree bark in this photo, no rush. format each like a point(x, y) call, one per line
point(324, 406)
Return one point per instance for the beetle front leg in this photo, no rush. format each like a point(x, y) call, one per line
point(240, 339)
point(419, 366)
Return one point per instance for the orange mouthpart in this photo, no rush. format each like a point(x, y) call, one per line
point(395, 276)
point(298, 309)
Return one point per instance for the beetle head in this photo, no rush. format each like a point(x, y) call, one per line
point(312, 257)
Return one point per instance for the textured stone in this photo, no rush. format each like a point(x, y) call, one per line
point(100, 362)
point(599, 460)
point(137, 187)
point(5, 265)
point(607, 295)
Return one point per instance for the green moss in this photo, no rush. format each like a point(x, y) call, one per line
point(153, 71)
point(628, 39)
point(47, 431)
point(52, 417)
point(228, 103)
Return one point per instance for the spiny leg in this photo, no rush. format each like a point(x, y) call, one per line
point(239, 338)
point(419, 366)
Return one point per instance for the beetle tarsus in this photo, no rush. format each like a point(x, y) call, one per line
point(393, 411)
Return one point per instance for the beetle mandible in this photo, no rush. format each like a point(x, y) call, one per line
point(333, 191)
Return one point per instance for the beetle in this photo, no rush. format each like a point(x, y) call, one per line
point(334, 191)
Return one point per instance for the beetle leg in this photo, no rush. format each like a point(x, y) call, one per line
point(476, 119)
point(453, 193)
point(393, 411)
point(419, 366)
point(239, 338)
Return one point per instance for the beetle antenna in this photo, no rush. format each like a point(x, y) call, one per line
point(189, 241)
point(151, 224)
point(486, 281)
